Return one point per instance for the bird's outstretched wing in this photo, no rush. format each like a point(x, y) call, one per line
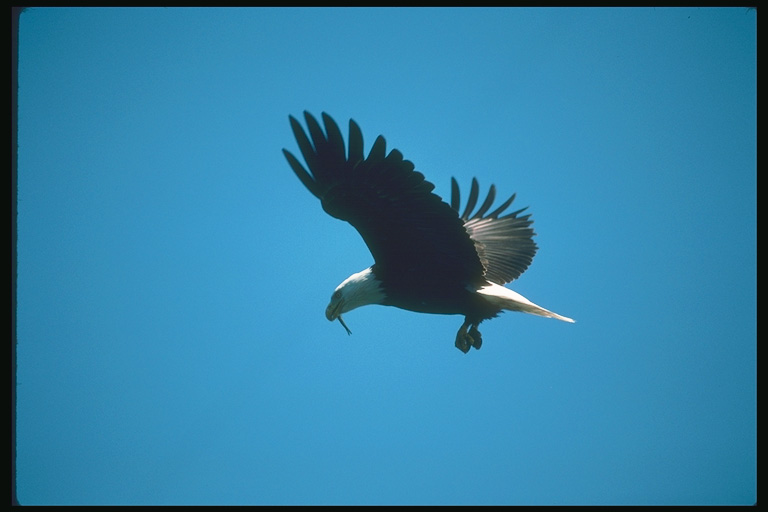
point(409, 230)
point(504, 243)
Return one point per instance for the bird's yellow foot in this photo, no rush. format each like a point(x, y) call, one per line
point(465, 340)
point(476, 337)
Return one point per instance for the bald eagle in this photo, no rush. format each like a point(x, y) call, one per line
point(428, 257)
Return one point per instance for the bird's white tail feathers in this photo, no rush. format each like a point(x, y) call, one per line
point(513, 301)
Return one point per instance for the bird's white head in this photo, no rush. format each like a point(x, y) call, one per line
point(357, 290)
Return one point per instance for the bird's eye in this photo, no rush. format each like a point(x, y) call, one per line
point(336, 295)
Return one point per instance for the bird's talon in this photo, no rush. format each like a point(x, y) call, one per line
point(475, 337)
point(463, 341)
point(462, 344)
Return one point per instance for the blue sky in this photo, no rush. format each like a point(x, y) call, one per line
point(173, 272)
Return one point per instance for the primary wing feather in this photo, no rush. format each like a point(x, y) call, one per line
point(407, 228)
point(504, 244)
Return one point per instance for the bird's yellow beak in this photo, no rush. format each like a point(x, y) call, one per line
point(332, 313)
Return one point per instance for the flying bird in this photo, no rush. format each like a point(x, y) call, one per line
point(428, 256)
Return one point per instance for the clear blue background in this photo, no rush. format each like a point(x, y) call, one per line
point(173, 272)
